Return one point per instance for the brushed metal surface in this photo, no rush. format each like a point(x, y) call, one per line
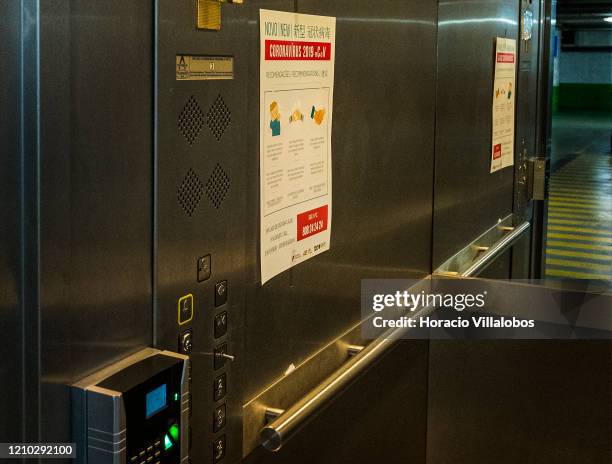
point(382, 152)
point(10, 219)
point(543, 131)
point(95, 214)
point(514, 401)
point(213, 225)
point(382, 145)
point(527, 87)
point(467, 198)
point(30, 233)
point(528, 78)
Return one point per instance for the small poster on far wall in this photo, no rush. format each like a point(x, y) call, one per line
point(504, 94)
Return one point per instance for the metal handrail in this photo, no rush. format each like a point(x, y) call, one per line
point(287, 422)
point(284, 423)
point(495, 250)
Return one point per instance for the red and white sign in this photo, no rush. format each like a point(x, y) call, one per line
point(296, 75)
point(502, 114)
point(505, 57)
point(311, 222)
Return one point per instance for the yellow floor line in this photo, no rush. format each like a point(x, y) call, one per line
point(574, 209)
point(581, 185)
point(566, 209)
point(581, 229)
point(586, 173)
point(578, 246)
point(580, 182)
point(575, 217)
point(589, 175)
point(579, 265)
point(564, 203)
point(572, 185)
point(606, 225)
point(589, 238)
point(575, 275)
point(589, 193)
point(584, 211)
point(579, 254)
point(586, 192)
point(554, 213)
point(580, 196)
point(587, 201)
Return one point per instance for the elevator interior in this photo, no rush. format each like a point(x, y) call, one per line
point(131, 218)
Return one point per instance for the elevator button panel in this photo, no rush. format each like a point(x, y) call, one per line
point(220, 324)
point(134, 411)
point(220, 356)
point(220, 387)
point(186, 341)
point(204, 268)
point(199, 215)
point(219, 418)
point(219, 448)
point(221, 291)
point(185, 309)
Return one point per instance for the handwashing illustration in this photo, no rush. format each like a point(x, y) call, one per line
point(296, 116)
point(317, 115)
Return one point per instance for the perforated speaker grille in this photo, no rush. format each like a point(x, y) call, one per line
point(218, 186)
point(190, 192)
point(191, 120)
point(219, 118)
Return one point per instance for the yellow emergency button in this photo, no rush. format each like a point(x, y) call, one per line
point(185, 309)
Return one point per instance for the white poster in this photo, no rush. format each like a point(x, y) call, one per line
point(504, 93)
point(296, 98)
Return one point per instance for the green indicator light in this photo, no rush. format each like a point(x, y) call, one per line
point(174, 432)
point(176, 397)
point(167, 442)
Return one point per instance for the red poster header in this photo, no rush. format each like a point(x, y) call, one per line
point(505, 57)
point(304, 51)
point(311, 222)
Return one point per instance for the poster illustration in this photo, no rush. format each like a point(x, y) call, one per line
point(296, 99)
point(504, 96)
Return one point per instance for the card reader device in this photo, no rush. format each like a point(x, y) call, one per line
point(135, 411)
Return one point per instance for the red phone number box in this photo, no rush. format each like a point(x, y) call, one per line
point(312, 222)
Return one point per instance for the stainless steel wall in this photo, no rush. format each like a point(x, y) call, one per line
point(91, 179)
point(467, 199)
point(528, 86)
point(382, 156)
point(10, 223)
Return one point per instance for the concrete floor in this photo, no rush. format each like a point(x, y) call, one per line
point(579, 232)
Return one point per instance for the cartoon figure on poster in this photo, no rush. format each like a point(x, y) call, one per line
point(275, 124)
